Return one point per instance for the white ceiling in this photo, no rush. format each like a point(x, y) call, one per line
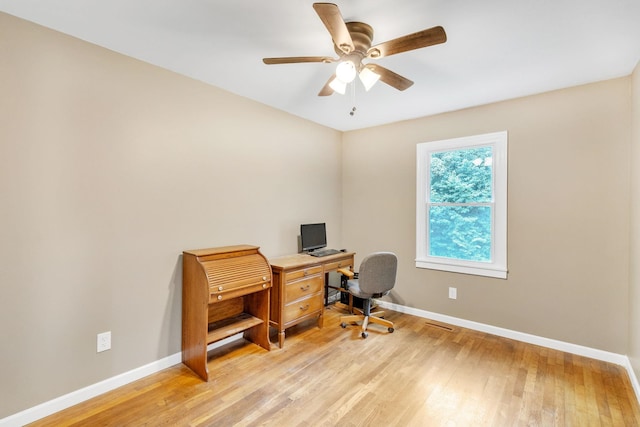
point(496, 49)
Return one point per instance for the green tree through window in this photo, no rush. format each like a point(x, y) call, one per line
point(460, 197)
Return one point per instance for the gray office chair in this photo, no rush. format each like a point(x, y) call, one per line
point(376, 278)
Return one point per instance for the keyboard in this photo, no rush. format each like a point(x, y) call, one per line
point(324, 252)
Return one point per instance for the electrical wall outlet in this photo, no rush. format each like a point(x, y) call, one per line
point(453, 293)
point(104, 341)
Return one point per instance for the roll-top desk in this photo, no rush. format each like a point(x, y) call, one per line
point(225, 291)
point(299, 286)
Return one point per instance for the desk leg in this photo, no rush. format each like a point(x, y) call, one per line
point(326, 289)
point(326, 300)
point(281, 338)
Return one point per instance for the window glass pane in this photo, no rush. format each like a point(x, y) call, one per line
point(462, 176)
point(460, 232)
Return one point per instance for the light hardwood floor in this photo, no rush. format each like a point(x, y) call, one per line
point(423, 374)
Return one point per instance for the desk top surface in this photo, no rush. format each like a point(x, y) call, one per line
point(301, 260)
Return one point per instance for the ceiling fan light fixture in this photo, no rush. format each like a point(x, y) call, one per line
point(346, 71)
point(368, 78)
point(338, 86)
point(352, 42)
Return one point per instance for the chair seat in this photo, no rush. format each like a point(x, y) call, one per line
point(354, 289)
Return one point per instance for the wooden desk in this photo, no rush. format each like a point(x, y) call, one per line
point(225, 291)
point(299, 285)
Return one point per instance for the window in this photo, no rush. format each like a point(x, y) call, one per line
point(461, 212)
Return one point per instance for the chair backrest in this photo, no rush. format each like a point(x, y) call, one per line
point(377, 273)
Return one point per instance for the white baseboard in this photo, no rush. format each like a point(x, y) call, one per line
point(592, 353)
point(45, 409)
point(58, 404)
point(632, 377)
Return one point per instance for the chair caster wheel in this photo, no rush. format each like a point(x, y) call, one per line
point(391, 330)
point(364, 335)
point(344, 325)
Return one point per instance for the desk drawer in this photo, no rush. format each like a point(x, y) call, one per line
point(341, 263)
point(301, 288)
point(304, 272)
point(303, 307)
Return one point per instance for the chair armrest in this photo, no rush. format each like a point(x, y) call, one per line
point(346, 272)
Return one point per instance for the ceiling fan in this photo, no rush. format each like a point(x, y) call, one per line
point(352, 43)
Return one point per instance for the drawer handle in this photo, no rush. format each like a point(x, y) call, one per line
point(219, 297)
point(220, 288)
point(264, 285)
point(304, 288)
point(304, 308)
point(305, 273)
point(264, 277)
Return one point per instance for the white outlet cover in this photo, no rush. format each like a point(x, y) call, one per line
point(104, 341)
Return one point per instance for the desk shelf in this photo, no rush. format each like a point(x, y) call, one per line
point(228, 327)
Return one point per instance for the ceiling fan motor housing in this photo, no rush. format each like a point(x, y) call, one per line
point(362, 36)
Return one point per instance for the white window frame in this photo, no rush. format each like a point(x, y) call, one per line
point(497, 267)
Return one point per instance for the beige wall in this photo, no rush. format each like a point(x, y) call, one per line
point(568, 213)
point(634, 282)
point(109, 168)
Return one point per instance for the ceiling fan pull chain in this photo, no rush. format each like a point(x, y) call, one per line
point(352, 98)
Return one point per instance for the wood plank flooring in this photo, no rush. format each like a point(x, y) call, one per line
point(423, 374)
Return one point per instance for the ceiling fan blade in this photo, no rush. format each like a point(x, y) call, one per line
point(424, 38)
point(332, 19)
point(297, 59)
point(389, 77)
point(326, 89)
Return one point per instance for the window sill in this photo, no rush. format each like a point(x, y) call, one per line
point(488, 271)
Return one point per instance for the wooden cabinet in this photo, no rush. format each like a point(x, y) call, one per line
point(302, 293)
point(299, 286)
point(225, 291)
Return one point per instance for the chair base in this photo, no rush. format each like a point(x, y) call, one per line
point(375, 317)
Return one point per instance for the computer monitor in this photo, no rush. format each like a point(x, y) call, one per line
point(313, 236)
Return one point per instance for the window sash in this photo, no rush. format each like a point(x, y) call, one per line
point(491, 206)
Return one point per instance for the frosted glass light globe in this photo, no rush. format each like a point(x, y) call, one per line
point(346, 71)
